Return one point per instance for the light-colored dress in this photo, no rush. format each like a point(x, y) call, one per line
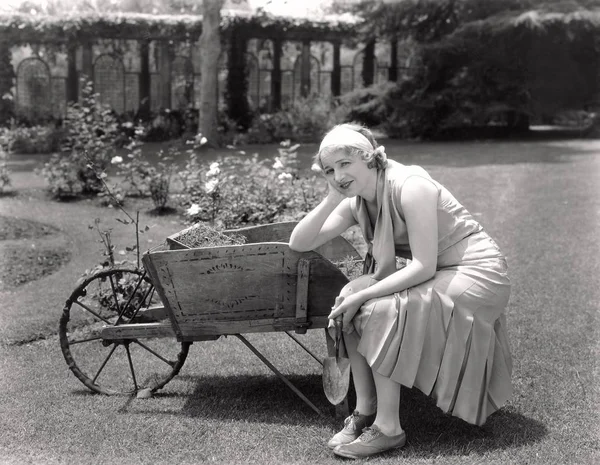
point(446, 336)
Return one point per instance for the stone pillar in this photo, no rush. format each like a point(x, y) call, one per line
point(144, 81)
point(369, 64)
point(164, 72)
point(276, 76)
point(336, 74)
point(87, 61)
point(237, 83)
point(72, 78)
point(393, 71)
point(305, 69)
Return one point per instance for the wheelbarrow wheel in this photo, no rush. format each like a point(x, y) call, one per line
point(116, 296)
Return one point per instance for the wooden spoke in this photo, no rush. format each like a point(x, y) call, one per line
point(168, 362)
point(91, 311)
point(141, 303)
point(112, 286)
point(122, 312)
point(112, 351)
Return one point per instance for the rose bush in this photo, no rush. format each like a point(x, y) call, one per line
point(242, 190)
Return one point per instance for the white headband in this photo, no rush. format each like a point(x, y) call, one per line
point(342, 136)
point(346, 137)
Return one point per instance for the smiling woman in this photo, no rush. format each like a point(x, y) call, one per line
point(437, 324)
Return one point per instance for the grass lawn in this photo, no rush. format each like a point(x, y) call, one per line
point(538, 199)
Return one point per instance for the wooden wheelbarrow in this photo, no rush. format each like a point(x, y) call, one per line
point(185, 295)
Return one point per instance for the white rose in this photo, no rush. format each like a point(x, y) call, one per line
point(193, 210)
point(214, 170)
point(117, 159)
point(211, 185)
point(277, 165)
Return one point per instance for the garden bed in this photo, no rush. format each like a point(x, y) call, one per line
point(24, 261)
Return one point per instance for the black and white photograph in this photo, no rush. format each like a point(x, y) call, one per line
point(299, 232)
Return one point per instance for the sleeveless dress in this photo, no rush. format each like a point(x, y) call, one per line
point(446, 336)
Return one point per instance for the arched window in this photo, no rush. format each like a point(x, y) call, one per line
point(109, 82)
point(34, 91)
point(182, 82)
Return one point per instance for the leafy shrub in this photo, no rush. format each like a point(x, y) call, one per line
point(90, 130)
point(160, 182)
point(135, 171)
point(4, 171)
point(266, 128)
point(114, 196)
point(305, 121)
point(574, 118)
point(62, 175)
point(169, 124)
point(367, 105)
point(32, 140)
point(144, 179)
point(310, 117)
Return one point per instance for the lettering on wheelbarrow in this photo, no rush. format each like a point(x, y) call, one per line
point(225, 266)
point(230, 303)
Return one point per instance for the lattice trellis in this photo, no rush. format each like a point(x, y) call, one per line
point(315, 71)
point(109, 82)
point(59, 97)
point(357, 69)
point(40, 95)
point(34, 89)
point(132, 91)
point(253, 80)
point(155, 91)
point(182, 82)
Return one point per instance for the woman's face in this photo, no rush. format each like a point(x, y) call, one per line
point(348, 174)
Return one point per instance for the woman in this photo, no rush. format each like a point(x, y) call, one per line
point(437, 324)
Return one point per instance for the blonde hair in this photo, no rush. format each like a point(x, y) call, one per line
point(374, 158)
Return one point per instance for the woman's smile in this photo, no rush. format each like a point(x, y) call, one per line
point(345, 185)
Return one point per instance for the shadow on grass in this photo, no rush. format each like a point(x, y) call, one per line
point(431, 432)
point(10, 193)
point(265, 399)
point(162, 211)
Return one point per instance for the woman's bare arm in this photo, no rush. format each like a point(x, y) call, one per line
point(327, 220)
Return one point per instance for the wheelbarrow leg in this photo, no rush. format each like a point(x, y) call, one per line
point(279, 374)
point(305, 348)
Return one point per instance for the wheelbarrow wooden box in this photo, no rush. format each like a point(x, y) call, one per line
point(255, 287)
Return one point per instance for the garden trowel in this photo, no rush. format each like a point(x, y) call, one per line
point(336, 367)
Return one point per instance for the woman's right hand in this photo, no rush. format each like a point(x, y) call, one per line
point(334, 195)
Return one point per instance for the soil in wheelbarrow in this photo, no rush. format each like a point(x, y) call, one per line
point(29, 250)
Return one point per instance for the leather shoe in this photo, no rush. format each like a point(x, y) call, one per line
point(353, 426)
point(372, 441)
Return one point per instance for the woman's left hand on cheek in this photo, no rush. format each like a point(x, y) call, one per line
point(348, 308)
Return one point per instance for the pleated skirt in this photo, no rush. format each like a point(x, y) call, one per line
point(446, 336)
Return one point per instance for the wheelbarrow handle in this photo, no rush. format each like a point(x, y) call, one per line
point(338, 322)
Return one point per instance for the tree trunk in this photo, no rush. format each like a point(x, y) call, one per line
point(210, 46)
